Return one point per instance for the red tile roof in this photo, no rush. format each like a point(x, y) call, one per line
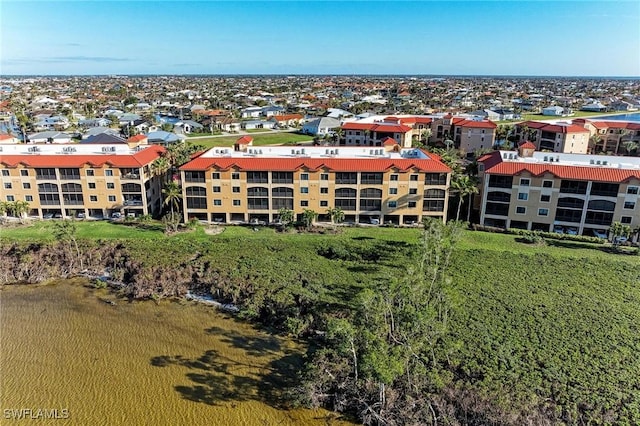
point(137, 138)
point(287, 117)
point(5, 136)
point(389, 141)
point(139, 159)
point(494, 165)
point(377, 127)
point(244, 140)
point(335, 164)
point(463, 122)
point(528, 145)
point(555, 128)
point(611, 124)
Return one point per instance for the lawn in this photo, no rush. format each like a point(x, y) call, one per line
point(537, 329)
point(280, 138)
point(540, 117)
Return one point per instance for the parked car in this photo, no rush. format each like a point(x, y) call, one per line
point(48, 216)
point(572, 231)
point(558, 229)
point(57, 216)
point(621, 240)
point(375, 221)
point(80, 216)
point(600, 234)
point(116, 215)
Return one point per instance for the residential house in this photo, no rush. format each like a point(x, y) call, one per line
point(49, 137)
point(257, 124)
point(188, 126)
point(287, 120)
point(554, 111)
point(610, 136)
point(321, 126)
point(594, 107)
point(163, 138)
point(6, 138)
point(251, 112)
point(373, 133)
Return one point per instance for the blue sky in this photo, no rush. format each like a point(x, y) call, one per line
point(573, 38)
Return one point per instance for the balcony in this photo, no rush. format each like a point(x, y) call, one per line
point(130, 176)
point(132, 202)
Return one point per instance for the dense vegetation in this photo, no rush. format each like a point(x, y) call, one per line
point(505, 332)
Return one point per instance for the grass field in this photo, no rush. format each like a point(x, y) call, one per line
point(258, 139)
point(576, 114)
point(551, 329)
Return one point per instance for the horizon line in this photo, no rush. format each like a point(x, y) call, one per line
point(320, 75)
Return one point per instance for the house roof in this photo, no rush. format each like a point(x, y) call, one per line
point(555, 128)
point(334, 164)
point(612, 124)
point(463, 122)
point(494, 164)
point(389, 141)
point(137, 159)
point(244, 140)
point(287, 117)
point(376, 127)
point(104, 138)
point(137, 138)
point(528, 145)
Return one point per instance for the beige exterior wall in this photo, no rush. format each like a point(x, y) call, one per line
point(105, 185)
point(473, 139)
point(407, 190)
point(527, 210)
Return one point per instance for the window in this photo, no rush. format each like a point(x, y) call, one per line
point(23, 172)
point(498, 181)
point(392, 204)
point(89, 172)
point(92, 185)
point(48, 173)
point(197, 177)
point(324, 204)
point(573, 187)
point(93, 198)
point(28, 198)
point(604, 205)
point(413, 191)
point(625, 219)
point(304, 203)
point(523, 196)
point(521, 210)
point(108, 172)
point(304, 190)
point(346, 178)
point(217, 202)
point(543, 212)
point(412, 204)
point(629, 205)
point(235, 189)
point(524, 182)
point(545, 198)
point(216, 189)
point(258, 177)
point(7, 185)
point(393, 191)
point(605, 189)
point(393, 177)
point(435, 179)
point(215, 175)
point(324, 190)
point(281, 177)
point(547, 184)
point(632, 190)
point(112, 198)
point(304, 176)
point(10, 198)
point(5, 172)
point(434, 193)
point(413, 178)
point(324, 176)
point(236, 203)
point(235, 176)
point(110, 185)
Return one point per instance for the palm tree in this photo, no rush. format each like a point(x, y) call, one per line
point(172, 195)
point(630, 146)
point(308, 217)
point(336, 213)
point(337, 135)
point(463, 185)
point(285, 216)
point(20, 208)
point(160, 166)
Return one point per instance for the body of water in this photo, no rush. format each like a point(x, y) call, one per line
point(632, 116)
point(141, 363)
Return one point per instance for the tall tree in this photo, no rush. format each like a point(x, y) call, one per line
point(308, 217)
point(336, 214)
point(20, 209)
point(172, 195)
point(463, 185)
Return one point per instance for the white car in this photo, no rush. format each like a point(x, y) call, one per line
point(572, 231)
point(558, 229)
point(600, 234)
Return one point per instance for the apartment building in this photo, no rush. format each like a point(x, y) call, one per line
point(72, 180)
point(611, 136)
point(571, 193)
point(372, 134)
point(371, 185)
point(554, 137)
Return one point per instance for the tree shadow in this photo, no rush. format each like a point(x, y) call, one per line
point(215, 379)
